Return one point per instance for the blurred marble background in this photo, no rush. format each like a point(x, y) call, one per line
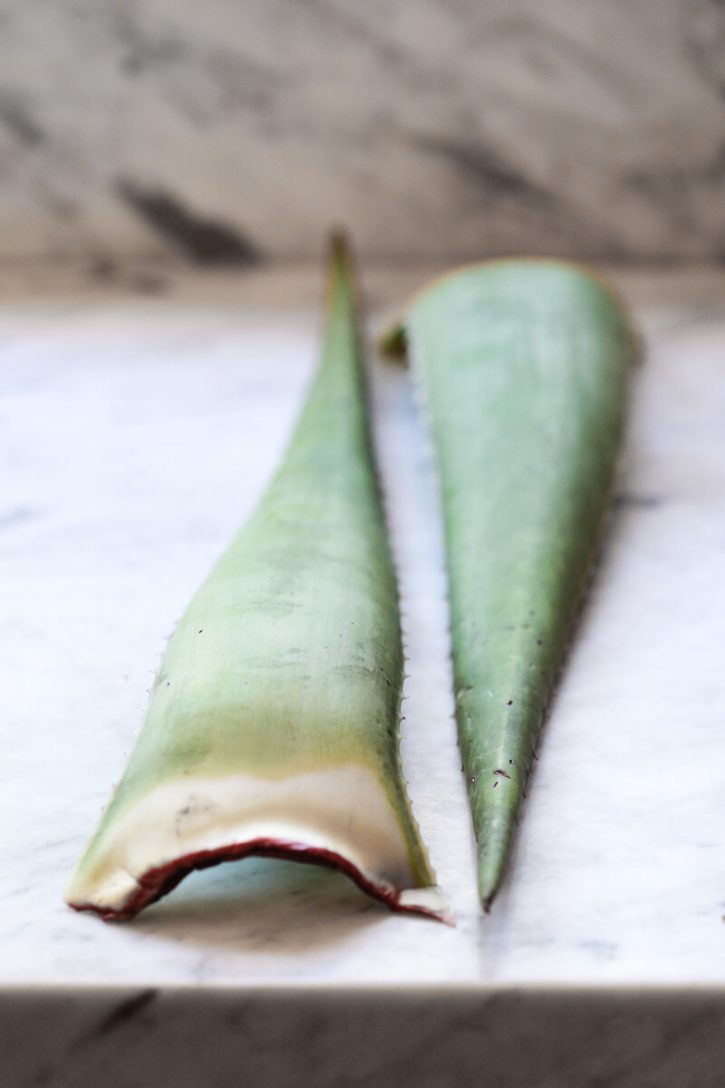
point(233, 130)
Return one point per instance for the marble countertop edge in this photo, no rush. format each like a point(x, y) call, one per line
point(439, 991)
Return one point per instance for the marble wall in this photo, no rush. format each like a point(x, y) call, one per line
point(231, 129)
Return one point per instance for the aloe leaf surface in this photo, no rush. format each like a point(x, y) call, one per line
point(272, 727)
point(523, 369)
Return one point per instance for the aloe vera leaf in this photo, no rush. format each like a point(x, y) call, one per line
point(523, 370)
point(272, 727)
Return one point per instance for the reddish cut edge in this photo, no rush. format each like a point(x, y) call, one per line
point(162, 879)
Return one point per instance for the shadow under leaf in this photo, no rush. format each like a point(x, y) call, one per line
point(262, 905)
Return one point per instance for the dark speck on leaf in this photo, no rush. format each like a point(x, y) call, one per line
point(510, 702)
point(503, 774)
point(200, 630)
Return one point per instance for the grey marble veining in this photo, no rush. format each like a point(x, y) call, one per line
point(228, 131)
point(135, 436)
point(428, 1038)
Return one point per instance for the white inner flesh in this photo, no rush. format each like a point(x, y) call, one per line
point(343, 809)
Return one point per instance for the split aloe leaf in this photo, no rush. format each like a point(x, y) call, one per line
point(523, 366)
point(272, 727)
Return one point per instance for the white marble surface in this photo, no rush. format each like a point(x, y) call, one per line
point(439, 127)
point(135, 436)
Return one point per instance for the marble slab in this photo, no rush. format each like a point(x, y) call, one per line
point(226, 131)
point(136, 434)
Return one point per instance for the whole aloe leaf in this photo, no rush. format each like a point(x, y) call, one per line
point(523, 367)
point(272, 727)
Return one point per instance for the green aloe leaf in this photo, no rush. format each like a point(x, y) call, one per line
point(272, 727)
point(523, 368)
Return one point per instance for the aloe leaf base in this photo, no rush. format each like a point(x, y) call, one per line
point(273, 724)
